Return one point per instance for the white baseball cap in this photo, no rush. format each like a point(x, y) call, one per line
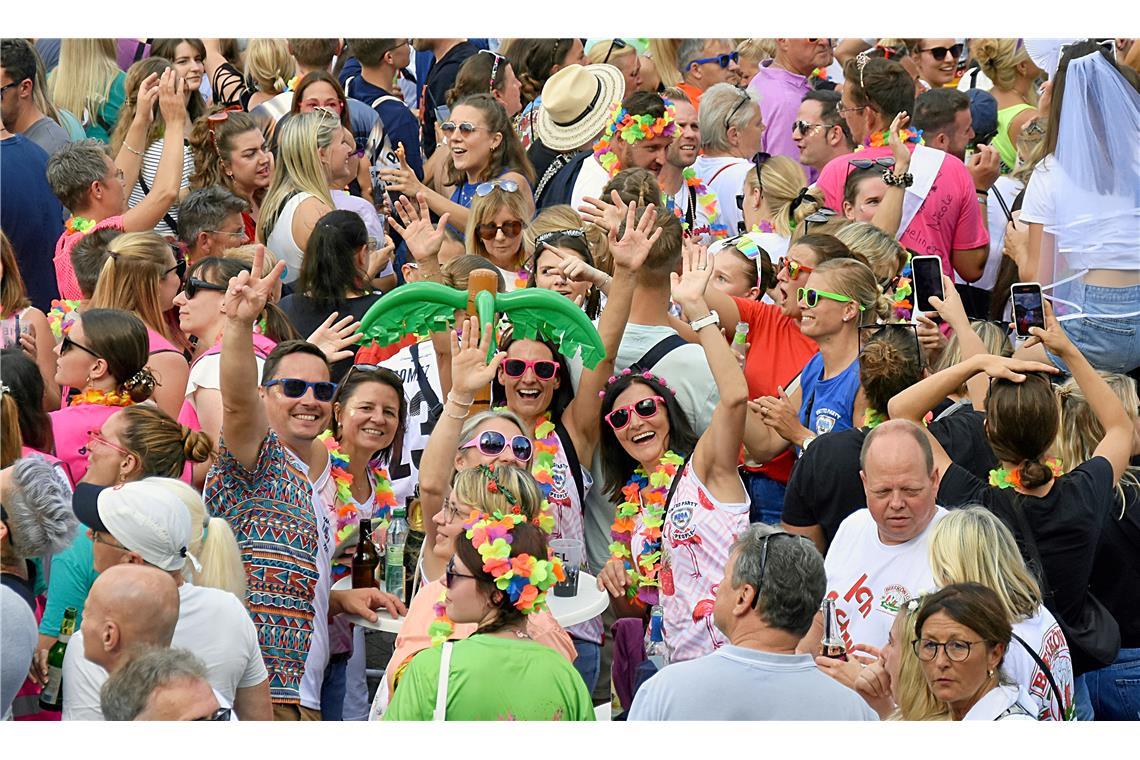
point(145, 517)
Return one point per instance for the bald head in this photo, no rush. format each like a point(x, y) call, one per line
point(889, 439)
point(128, 606)
point(899, 479)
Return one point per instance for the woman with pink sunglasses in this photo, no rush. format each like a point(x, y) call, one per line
point(680, 498)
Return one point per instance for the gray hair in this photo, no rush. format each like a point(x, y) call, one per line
point(717, 103)
point(687, 51)
point(899, 426)
point(40, 517)
point(472, 424)
point(73, 168)
point(204, 210)
point(128, 690)
point(794, 580)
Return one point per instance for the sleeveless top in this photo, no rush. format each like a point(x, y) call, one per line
point(281, 241)
point(697, 538)
point(1001, 142)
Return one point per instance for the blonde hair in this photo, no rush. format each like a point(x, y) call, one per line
point(269, 64)
point(664, 55)
point(998, 59)
point(130, 279)
point(471, 488)
point(82, 80)
point(915, 699)
point(886, 256)
point(484, 208)
point(783, 180)
point(971, 545)
point(995, 338)
point(1030, 148)
point(298, 166)
point(756, 48)
point(560, 217)
point(212, 543)
point(597, 52)
point(245, 254)
point(1080, 431)
point(855, 280)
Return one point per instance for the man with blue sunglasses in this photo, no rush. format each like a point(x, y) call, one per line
point(703, 63)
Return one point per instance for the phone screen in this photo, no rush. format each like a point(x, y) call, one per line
point(1027, 307)
point(927, 272)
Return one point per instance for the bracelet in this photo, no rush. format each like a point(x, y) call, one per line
point(464, 404)
point(455, 416)
point(132, 150)
point(897, 180)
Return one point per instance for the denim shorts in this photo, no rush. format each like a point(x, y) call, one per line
point(1111, 344)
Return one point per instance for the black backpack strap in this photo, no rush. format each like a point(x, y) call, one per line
point(677, 481)
point(660, 350)
point(572, 459)
point(1048, 674)
point(173, 225)
point(435, 409)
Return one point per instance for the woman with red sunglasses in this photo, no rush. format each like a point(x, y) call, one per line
point(681, 500)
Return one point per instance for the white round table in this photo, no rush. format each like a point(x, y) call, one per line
point(588, 603)
point(384, 621)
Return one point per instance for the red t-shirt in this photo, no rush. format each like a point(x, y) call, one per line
point(777, 354)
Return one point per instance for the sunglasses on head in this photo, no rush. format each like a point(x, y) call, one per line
point(764, 561)
point(623, 415)
point(822, 216)
point(194, 286)
point(744, 98)
point(68, 344)
point(222, 713)
point(722, 60)
point(214, 120)
point(491, 443)
point(465, 127)
point(488, 230)
point(939, 53)
point(544, 369)
point(615, 44)
point(794, 267)
point(485, 188)
point(811, 297)
point(870, 333)
point(295, 388)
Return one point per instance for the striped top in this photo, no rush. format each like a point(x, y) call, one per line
point(147, 173)
point(270, 511)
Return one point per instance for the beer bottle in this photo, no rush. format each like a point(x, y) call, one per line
point(832, 644)
point(366, 559)
point(51, 698)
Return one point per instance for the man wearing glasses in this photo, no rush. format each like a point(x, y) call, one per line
point(162, 684)
point(18, 107)
point(209, 222)
point(773, 585)
point(703, 63)
point(781, 84)
point(879, 557)
point(819, 132)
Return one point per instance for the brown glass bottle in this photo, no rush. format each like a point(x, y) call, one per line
point(366, 559)
point(832, 643)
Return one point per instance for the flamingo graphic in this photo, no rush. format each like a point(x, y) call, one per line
point(688, 544)
point(704, 610)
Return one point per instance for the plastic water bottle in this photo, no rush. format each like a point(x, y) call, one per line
point(394, 554)
point(657, 651)
point(740, 337)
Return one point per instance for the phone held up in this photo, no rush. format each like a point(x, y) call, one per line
point(1028, 310)
point(926, 280)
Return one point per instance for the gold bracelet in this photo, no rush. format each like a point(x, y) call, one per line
point(132, 150)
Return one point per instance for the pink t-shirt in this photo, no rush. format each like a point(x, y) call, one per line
point(950, 219)
point(64, 273)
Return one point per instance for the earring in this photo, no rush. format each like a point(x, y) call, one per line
point(989, 674)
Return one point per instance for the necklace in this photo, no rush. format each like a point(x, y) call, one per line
point(645, 496)
point(1003, 478)
point(879, 139)
point(347, 515)
point(101, 398)
point(79, 224)
point(441, 628)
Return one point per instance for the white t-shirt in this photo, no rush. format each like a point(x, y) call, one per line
point(869, 580)
point(1043, 634)
point(724, 176)
point(207, 373)
point(213, 624)
point(404, 473)
point(318, 657)
point(592, 179)
point(1008, 188)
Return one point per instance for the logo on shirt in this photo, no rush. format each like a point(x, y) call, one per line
point(825, 420)
point(681, 519)
point(893, 598)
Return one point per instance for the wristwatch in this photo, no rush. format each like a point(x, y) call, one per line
point(712, 318)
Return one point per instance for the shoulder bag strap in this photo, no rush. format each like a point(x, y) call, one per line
point(1048, 674)
point(440, 712)
point(173, 225)
point(571, 459)
point(659, 351)
point(435, 409)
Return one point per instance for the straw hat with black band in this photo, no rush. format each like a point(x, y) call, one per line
point(576, 105)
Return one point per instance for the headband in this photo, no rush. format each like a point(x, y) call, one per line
point(523, 578)
point(632, 128)
point(496, 487)
point(645, 374)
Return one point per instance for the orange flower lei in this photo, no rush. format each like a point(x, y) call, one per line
point(102, 398)
point(650, 503)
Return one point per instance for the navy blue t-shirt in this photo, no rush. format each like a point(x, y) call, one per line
point(399, 122)
point(31, 216)
point(828, 404)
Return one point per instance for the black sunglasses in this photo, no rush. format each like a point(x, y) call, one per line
point(68, 344)
point(940, 52)
point(544, 369)
point(822, 216)
point(871, 333)
point(179, 267)
point(886, 162)
point(745, 97)
point(764, 561)
point(295, 388)
point(222, 713)
point(616, 44)
point(194, 285)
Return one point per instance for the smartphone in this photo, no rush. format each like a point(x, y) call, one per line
point(442, 114)
point(1028, 310)
point(927, 280)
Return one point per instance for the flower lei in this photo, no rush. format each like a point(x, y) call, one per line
point(819, 74)
point(880, 139)
point(522, 277)
point(347, 515)
point(545, 451)
point(872, 418)
point(61, 316)
point(101, 398)
point(1003, 478)
point(650, 503)
point(900, 298)
point(706, 201)
point(79, 224)
point(442, 627)
point(632, 129)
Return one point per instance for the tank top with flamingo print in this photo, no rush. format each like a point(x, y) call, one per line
point(697, 537)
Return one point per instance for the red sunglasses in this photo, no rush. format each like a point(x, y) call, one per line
point(623, 415)
point(544, 369)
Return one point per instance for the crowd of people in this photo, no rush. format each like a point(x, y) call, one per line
point(808, 479)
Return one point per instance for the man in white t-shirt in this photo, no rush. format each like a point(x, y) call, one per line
point(879, 557)
point(731, 128)
point(145, 523)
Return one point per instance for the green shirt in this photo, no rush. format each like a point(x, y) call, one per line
point(493, 678)
point(72, 574)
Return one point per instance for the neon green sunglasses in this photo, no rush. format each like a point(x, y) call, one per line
point(811, 297)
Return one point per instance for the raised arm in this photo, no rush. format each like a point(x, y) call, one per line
point(888, 216)
point(423, 240)
point(629, 253)
point(129, 158)
point(718, 450)
point(168, 177)
point(952, 311)
point(244, 424)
